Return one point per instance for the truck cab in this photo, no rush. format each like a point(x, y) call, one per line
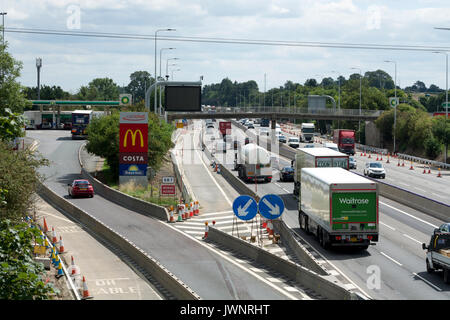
point(438, 251)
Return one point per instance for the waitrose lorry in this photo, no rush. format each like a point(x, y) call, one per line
point(316, 157)
point(339, 207)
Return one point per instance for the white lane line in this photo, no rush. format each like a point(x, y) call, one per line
point(214, 213)
point(409, 215)
point(427, 282)
point(419, 242)
point(384, 224)
point(424, 191)
point(233, 262)
point(52, 215)
point(393, 260)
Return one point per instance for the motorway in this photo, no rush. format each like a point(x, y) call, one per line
point(414, 180)
point(398, 255)
point(209, 271)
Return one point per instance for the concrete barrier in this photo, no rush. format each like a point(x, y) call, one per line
point(168, 280)
point(305, 257)
point(134, 204)
point(237, 183)
point(326, 286)
point(122, 199)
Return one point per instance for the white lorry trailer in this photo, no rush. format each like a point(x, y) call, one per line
point(438, 254)
point(339, 207)
point(307, 134)
point(316, 157)
point(253, 163)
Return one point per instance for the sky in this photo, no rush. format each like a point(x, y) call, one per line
point(71, 62)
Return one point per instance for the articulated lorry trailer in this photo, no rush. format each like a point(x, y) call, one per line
point(316, 158)
point(253, 163)
point(339, 207)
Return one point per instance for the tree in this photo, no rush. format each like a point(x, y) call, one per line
point(102, 89)
point(19, 274)
point(379, 79)
point(311, 83)
point(11, 95)
point(47, 93)
point(441, 130)
point(139, 82)
point(11, 125)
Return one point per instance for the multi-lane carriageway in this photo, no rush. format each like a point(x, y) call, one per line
point(215, 273)
point(397, 258)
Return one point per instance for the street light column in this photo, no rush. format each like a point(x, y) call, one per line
point(156, 78)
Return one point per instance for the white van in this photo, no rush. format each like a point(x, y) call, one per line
point(332, 146)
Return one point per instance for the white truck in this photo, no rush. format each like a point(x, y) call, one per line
point(253, 163)
point(34, 119)
point(339, 207)
point(316, 157)
point(438, 253)
point(307, 134)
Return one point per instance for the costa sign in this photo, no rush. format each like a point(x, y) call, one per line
point(133, 138)
point(129, 158)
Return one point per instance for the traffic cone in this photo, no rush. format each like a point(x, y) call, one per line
point(85, 291)
point(270, 227)
point(54, 240)
point(424, 171)
point(57, 260)
point(60, 271)
point(171, 214)
point(180, 213)
point(215, 168)
point(196, 210)
point(387, 161)
point(45, 226)
point(185, 212)
point(403, 163)
point(61, 245)
point(411, 168)
point(369, 156)
point(264, 223)
point(206, 230)
point(429, 170)
point(439, 173)
point(377, 158)
point(381, 157)
point(191, 210)
point(74, 269)
point(53, 256)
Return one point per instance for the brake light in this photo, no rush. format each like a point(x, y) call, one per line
point(74, 130)
point(338, 238)
point(369, 237)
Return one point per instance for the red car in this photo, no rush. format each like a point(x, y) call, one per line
point(81, 188)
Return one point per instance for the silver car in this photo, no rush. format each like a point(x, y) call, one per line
point(375, 169)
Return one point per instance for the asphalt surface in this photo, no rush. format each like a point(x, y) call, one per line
point(201, 267)
point(397, 258)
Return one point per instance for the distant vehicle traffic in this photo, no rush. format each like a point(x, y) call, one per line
point(308, 146)
point(287, 174)
point(265, 122)
point(348, 214)
point(80, 121)
point(264, 131)
point(282, 139)
point(438, 251)
point(293, 142)
point(80, 188)
point(375, 170)
point(352, 163)
point(332, 146)
point(345, 140)
point(316, 157)
point(307, 133)
point(253, 163)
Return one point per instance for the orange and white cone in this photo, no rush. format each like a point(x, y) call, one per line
point(61, 245)
point(74, 269)
point(270, 227)
point(171, 215)
point(439, 173)
point(180, 213)
point(196, 210)
point(45, 226)
point(206, 230)
point(85, 290)
point(54, 240)
point(191, 210)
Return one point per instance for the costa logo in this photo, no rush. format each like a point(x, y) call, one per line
point(130, 158)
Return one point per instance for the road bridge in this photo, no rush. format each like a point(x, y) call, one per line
point(275, 113)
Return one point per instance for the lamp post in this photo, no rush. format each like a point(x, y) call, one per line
point(173, 71)
point(339, 92)
point(446, 95)
point(156, 80)
point(167, 65)
point(160, 93)
point(3, 14)
point(359, 121)
point(395, 95)
point(38, 66)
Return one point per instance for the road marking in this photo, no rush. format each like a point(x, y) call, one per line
point(384, 224)
point(419, 242)
point(52, 215)
point(393, 260)
point(215, 213)
point(409, 215)
point(427, 282)
point(425, 191)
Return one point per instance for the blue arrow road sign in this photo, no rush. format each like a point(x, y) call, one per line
point(245, 207)
point(271, 206)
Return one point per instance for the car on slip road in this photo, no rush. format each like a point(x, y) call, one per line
point(80, 188)
point(287, 174)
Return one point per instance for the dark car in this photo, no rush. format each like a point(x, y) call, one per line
point(444, 228)
point(287, 174)
point(80, 188)
point(282, 139)
point(352, 163)
point(247, 140)
point(235, 144)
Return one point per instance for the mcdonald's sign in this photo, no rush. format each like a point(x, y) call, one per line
point(133, 138)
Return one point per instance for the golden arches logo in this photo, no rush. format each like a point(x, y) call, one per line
point(133, 138)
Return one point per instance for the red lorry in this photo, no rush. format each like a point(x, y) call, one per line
point(345, 140)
